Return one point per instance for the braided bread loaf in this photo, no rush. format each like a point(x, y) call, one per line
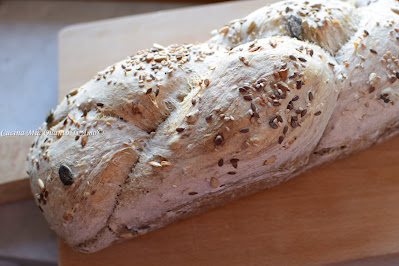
point(184, 128)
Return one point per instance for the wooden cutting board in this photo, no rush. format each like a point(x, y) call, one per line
point(14, 181)
point(346, 210)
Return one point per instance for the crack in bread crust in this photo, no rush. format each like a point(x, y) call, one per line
point(81, 246)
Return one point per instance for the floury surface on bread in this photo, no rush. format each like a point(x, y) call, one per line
point(185, 128)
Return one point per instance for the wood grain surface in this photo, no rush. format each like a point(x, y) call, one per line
point(14, 183)
point(342, 211)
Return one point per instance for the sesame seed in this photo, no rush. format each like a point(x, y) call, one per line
point(253, 107)
point(251, 27)
point(395, 10)
point(165, 163)
point(206, 82)
point(192, 193)
point(247, 98)
point(241, 89)
point(292, 57)
point(244, 60)
point(371, 89)
point(285, 130)
point(373, 51)
point(302, 59)
point(234, 162)
point(208, 118)
point(280, 139)
point(270, 160)
point(244, 130)
point(214, 182)
point(73, 92)
point(218, 140)
point(247, 87)
point(282, 86)
point(193, 101)
point(272, 124)
point(311, 52)
point(295, 98)
point(298, 84)
point(40, 184)
point(224, 30)
point(83, 140)
point(254, 49)
point(366, 32)
point(160, 58)
point(303, 113)
point(231, 173)
point(100, 104)
point(317, 113)
point(149, 57)
point(290, 106)
point(220, 162)
point(155, 164)
point(294, 122)
point(310, 96)
point(292, 76)
point(180, 129)
point(283, 73)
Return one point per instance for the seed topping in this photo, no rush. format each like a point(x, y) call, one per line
point(234, 162)
point(247, 97)
point(65, 175)
point(214, 182)
point(244, 60)
point(298, 84)
point(83, 140)
point(244, 130)
point(218, 140)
